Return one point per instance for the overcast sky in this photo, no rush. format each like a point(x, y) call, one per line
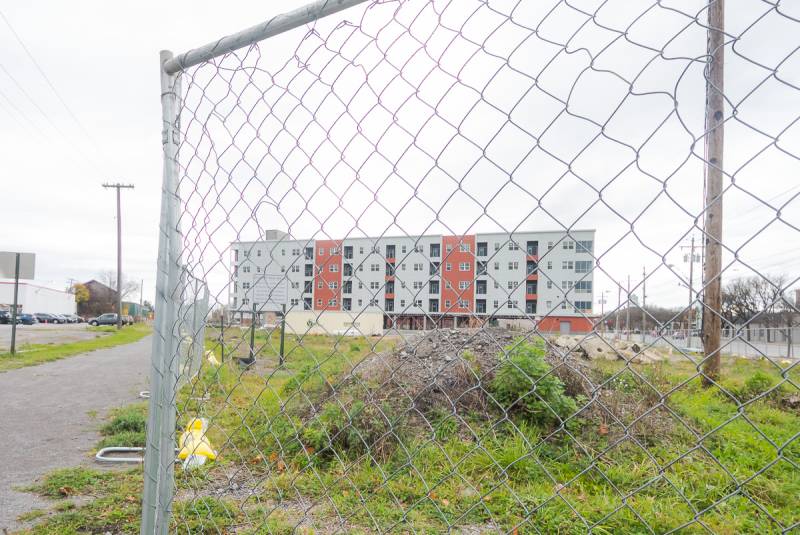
point(102, 60)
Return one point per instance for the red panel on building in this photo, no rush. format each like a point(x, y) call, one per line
point(576, 324)
point(461, 254)
point(328, 271)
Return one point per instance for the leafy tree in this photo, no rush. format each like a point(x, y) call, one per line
point(81, 293)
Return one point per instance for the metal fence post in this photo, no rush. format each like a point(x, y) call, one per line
point(160, 450)
point(283, 332)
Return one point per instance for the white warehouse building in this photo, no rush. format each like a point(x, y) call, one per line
point(33, 298)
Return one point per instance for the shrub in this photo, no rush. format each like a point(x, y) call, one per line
point(361, 428)
point(524, 386)
point(757, 384)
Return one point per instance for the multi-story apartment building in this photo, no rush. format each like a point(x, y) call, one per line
point(419, 281)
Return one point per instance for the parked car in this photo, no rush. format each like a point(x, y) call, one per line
point(5, 317)
point(59, 318)
point(104, 319)
point(44, 317)
point(27, 319)
point(127, 320)
point(71, 318)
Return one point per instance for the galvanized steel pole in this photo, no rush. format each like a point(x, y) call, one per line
point(274, 26)
point(160, 447)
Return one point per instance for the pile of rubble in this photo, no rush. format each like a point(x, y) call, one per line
point(594, 347)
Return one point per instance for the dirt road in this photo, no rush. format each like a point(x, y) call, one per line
point(47, 420)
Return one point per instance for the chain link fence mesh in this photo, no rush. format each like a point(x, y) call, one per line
point(431, 271)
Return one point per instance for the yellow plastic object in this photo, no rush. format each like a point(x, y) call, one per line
point(212, 358)
point(195, 448)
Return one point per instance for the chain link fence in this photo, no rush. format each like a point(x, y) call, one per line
point(423, 268)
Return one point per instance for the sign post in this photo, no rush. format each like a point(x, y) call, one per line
point(23, 268)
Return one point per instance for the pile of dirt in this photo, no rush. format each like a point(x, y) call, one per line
point(449, 371)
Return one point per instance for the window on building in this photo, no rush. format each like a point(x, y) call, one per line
point(448, 285)
point(294, 302)
point(388, 305)
point(497, 266)
point(433, 287)
point(463, 247)
point(531, 267)
point(402, 249)
point(433, 305)
point(347, 287)
point(245, 301)
point(435, 250)
point(236, 255)
point(496, 246)
point(446, 303)
point(333, 268)
point(448, 266)
point(583, 287)
point(496, 304)
point(480, 306)
point(295, 286)
point(481, 268)
point(374, 267)
point(584, 246)
point(347, 303)
point(513, 246)
point(549, 284)
point(548, 305)
point(448, 248)
point(566, 285)
point(319, 302)
point(583, 306)
point(390, 251)
point(245, 286)
point(583, 266)
point(309, 253)
point(417, 285)
point(360, 251)
point(306, 303)
point(309, 270)
point(568, 245)
point(480, 287)
point(549, 264)
point(463, 285)
point(530, 306)
point(295, 268)
point(513, 265)
point(464, 266)
point(321, 251)
point(434, 268)
point(374, 285)
point(418, 267)
point(331, 302)
point(511, 285)
point(531, 287)
point(333, 285)
point(308, 287)
point(258, 252)
point(320, 285)
point(532, 248)
point(567, 264)
point(347, 270)
point(511, 303)
point(245, 269)
point(483, 248)
point(462, 303)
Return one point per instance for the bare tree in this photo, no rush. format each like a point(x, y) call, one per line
point(109, 278)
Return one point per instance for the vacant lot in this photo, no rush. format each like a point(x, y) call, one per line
point(475, 432)
point(45, 333)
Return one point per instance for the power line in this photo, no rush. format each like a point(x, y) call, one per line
point(47, 117)
point(47, 80)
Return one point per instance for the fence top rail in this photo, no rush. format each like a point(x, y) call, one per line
point(270, 28)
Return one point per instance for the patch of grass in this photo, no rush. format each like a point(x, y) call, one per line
point(32, 515)
point(115, 504)
point(34, 354)
point(70, 481)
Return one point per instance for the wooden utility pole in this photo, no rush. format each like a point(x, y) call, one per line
point(644, 302)
point(118, 187)
point(628, 312)
point(715, 116)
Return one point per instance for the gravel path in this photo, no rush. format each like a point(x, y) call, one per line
point(45, 420)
